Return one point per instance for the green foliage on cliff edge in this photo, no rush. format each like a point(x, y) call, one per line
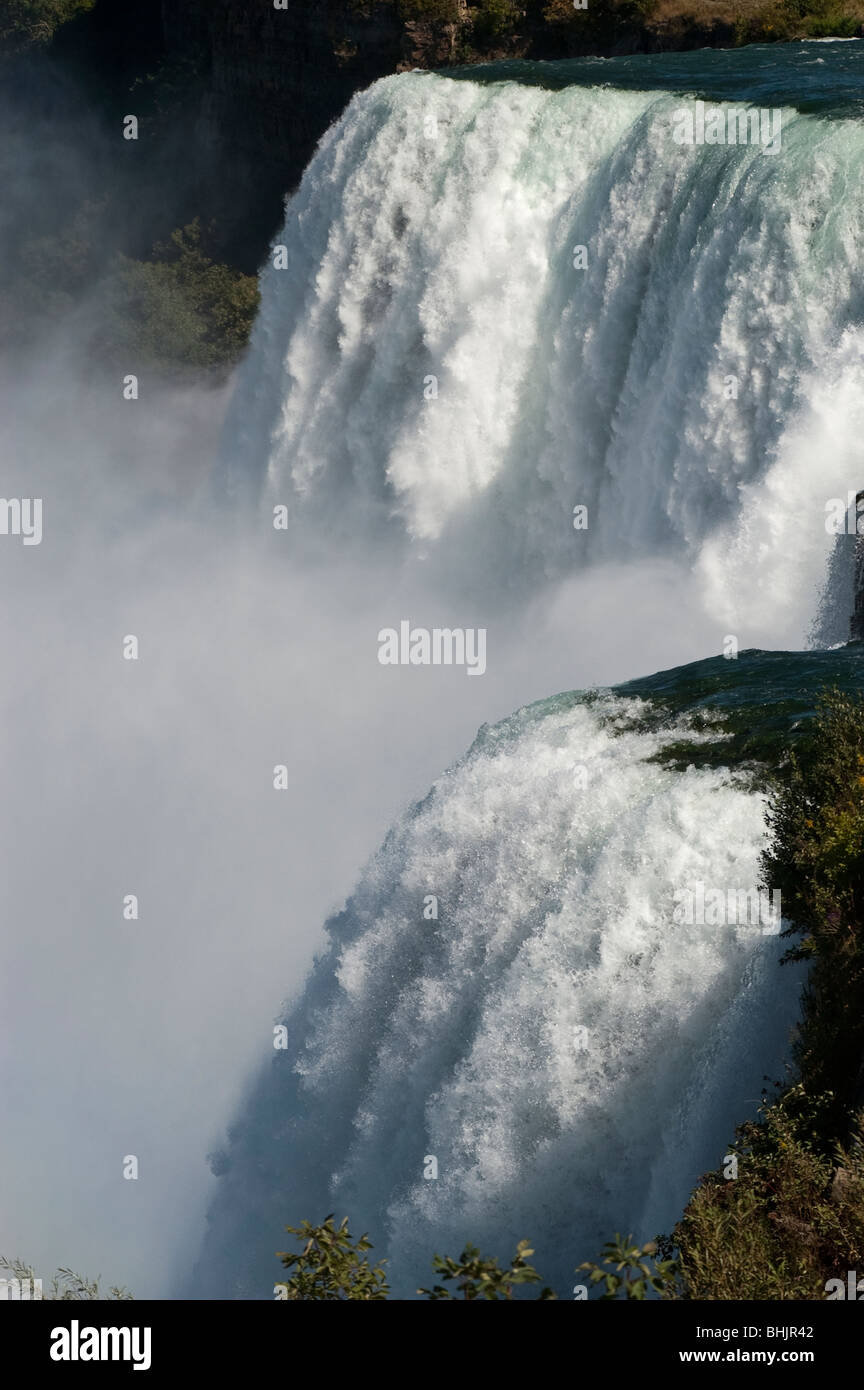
point(786, 1213)
point(793, 1217)
point(555, 28)
point(26, 22)
point(816, 860)
point(791, 1220)
point(669, 24)
point(180, 310)
point(448, 11)
point(770, 21)
point(494, 21)
point(332, 1267)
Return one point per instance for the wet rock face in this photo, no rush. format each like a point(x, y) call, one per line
point(272, 80)
point(282, 75)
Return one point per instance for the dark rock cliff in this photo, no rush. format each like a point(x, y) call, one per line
point(271, 81)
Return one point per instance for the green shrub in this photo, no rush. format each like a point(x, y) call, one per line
point(476, 1277)
point(493, 21)
point(797, 19)
point(794, 1215)
point(65, 1286)
point(445, 11)
point(792, 1219)
point(816, 860)
point(178, 310)
point(635, 1270)
point(24, 22)
point(331, 1267)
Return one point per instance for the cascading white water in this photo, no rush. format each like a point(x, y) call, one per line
point(433, 236)
point(433, 379)
point(571, 1055)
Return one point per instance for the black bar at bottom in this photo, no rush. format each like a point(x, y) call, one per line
point(282, 1339)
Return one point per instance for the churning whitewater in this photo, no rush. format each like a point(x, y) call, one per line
point(493, 303)
point(509, 992)
point(439, 366)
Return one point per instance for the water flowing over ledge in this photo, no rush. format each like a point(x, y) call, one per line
point(431, 372)
point(571, 1054)
point(437, 378)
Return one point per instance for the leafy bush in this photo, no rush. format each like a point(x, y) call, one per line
point(792, 1219)
point(331, 1267)
point(66, 1286)
point(816, 859)
point(794, 1216)
point(446, 11)
point(476, 1277)
point(798, 19)
point(178, 310)
point(635, 1269)
point(493, 21)
point(25, 22)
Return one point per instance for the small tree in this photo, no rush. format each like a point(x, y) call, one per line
point(477, 1277)
point(66, 1286)
point(179, 310)
point(34, 21)
point(494, 20)
point(331, 1266)
point(642, 1271)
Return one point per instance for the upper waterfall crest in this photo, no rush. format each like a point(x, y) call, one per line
point(438, 365)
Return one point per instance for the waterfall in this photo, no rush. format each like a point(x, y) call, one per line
point(438, 370)
point(509, 992)
point(511, 332)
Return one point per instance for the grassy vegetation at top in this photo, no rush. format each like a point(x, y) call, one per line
point(734, 22)
point(793, 1218)
point(24, 22)
point(790, 1221)
point(756, 710)
point(554, 28)
point(550, 28)
point(816, 859)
